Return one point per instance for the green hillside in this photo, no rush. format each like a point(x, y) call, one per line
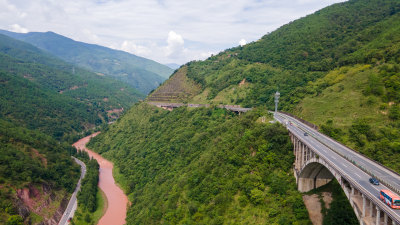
point(203, 166)
point(140, 73)
point(338, 68)
point(37, 164)
point(304, 50)
point(43, 104)
point(41, 92)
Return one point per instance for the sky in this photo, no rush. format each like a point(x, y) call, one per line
point(167, 31)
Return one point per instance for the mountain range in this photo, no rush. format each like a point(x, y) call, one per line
point(338, 68)
point(140, 73)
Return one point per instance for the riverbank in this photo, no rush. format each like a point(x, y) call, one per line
point(117, 201)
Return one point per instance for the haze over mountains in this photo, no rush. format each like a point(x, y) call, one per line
point(140, 73)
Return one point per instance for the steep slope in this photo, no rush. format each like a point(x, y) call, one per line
point(140, 73)
point(338, 67)
point(43, 103)
point(36, 176)
point(202, 166)
point(41, 92)
point(304, 50)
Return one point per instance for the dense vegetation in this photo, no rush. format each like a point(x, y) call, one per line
point(368, 119)
point(140, 73)
point(338, 68)
point(88, 196)
point(304, 50)
point(31, 159)
point(37, 90)
point(340, 211)
point(45, 102)
point(203, 166)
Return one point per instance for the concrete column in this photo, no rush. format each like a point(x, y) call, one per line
point(301, 154)
point(305, 153)
point(385, 219)
point(378, 216)
point(297, 155)
point(364, 205)
point(351, 196)
point(371, 208)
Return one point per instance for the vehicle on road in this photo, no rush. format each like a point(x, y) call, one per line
point(390, 199)
point(305, 134)
point(374, 181)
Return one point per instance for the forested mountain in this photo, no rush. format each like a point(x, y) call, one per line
point(36, 176)
point(42, 92)
point(338, 68)
point(140, 73)
point(203, 166)
point(45, 102)
point(340, 64)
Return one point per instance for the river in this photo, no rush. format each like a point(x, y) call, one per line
point(117, 200)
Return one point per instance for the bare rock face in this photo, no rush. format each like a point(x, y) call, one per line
point(40, 200)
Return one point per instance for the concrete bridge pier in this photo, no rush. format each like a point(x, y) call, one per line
point(312, 171)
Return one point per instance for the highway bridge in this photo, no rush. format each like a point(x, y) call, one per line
point(171, 106)
point(319, 159)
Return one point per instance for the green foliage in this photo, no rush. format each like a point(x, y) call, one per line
point(139, 73)
point(15, 220)
point(38, 89)
point(29, 158)
point(358, 107)
point(340, 211)
point(202, 166)
point(87, 195)
point(344, 34)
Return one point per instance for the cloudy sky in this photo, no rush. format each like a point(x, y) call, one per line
point(167, 31)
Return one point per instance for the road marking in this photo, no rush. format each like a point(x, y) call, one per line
point(376, 188)
point(357, 175)
point(344, 165)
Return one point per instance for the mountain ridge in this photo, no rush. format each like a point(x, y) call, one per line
point(343, 57)
point(141, 73)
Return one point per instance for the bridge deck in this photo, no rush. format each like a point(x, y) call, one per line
point(355, 167)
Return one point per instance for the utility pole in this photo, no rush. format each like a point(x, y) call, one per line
point(277, 95)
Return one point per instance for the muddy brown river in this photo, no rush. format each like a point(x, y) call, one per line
point(117, 200)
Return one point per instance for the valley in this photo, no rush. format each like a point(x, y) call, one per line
point(199, 145)
point(117, 201)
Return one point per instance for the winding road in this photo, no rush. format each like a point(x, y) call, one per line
point(117, 200)
point(72, 204)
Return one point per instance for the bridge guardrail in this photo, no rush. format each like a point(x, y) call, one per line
point(370, 196)
point(355, 163)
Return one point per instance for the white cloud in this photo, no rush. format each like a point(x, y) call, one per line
point(242, 42)
point(17, 28)
point(163, 30)
point(175, 45)
point(133, 48)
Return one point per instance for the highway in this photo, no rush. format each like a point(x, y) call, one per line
point(335, 154)
point(72, 204)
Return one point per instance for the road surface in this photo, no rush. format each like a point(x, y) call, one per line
point(335, 154)
point(72, 205)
